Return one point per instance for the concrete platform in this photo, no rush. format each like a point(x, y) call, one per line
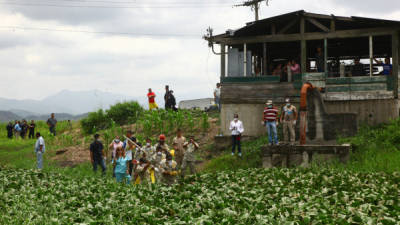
point(303, 155)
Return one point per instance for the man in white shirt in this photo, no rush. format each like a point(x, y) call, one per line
point(39, 150)
point(217, 95)
point(237, 129)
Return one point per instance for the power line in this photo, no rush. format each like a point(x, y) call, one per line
point(112, 7)
point(135, 2)
point(102, 32)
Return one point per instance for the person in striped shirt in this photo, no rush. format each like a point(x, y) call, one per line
point(270, 120)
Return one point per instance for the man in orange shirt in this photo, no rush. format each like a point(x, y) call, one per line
point(152, 102)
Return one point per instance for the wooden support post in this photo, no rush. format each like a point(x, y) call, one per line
point(371, 55)
point(273, 29)
point(223, 61)
point(244, 60)
point(326, 57)
point(333, 25)
point(303, 47)
point(395, 69)
point(265, 68)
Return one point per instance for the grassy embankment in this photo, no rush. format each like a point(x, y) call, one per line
point(375, 149)
point(20, 153)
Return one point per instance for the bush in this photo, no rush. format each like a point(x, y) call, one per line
point(96, 121)
point(126, 112)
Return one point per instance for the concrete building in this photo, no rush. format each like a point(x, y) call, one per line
point(202, 104)
point(255, 51)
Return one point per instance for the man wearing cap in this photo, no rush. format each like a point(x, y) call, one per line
point(270, 120)
point(162, 144)
point(288, 119)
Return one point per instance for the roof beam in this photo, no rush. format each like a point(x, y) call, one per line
point(309, 36)
point(317, 24)
point(288, 26)
point(321, 16)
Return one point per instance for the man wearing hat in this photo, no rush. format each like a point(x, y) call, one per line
point(162, 144)
point(270, 120)
point(288, 119)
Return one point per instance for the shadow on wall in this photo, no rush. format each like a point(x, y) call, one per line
point(325, 126)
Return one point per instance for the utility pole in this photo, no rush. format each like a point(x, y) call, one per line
point(254, 4)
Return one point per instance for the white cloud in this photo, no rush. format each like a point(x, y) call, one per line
point(35, 64)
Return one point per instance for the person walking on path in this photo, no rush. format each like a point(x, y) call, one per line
point(52, 122)
point(179, 140)
point(152, 100)
point(17, 129)
point(288, 119)
point(217, 95)
point(121, 166)
point(270, 120)
point(188, 159)
point(39, 150)
point(237, 129)
point(10, 129)
point(32, 126)
point(97, 156)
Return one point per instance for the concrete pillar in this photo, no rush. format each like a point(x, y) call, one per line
point(223, 63)
point(395, 58)
point(245, 59)
point(326, 56)
point(371, 55)
point(265, 68)
point(303, 47)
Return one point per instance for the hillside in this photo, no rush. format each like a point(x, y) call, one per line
point(71, 102)
point(8, 116)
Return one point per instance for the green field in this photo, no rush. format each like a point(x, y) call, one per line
point(228, 190)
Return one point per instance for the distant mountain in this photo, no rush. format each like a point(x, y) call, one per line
point(70, 102)
point(8, 116)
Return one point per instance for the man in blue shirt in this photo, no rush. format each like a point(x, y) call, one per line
point(17, 129)
point(387, 67)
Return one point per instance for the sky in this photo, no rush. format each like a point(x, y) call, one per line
point(128, 46)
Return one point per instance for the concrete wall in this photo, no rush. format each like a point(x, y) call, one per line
point(372, 112)
point(250, 114)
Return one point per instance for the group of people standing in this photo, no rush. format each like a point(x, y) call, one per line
point(21, 129)
point(147, 163)
point(272, 116)
point(169, 99)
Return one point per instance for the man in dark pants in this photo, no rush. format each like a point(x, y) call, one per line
point(24, 129)
point(10, 129)
point(237, 129)
point(97, 154)
point(32, 129)
point(52, 122)
point(167, 98)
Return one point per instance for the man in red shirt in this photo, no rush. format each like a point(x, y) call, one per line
point(270, 120)
point(152, 102)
